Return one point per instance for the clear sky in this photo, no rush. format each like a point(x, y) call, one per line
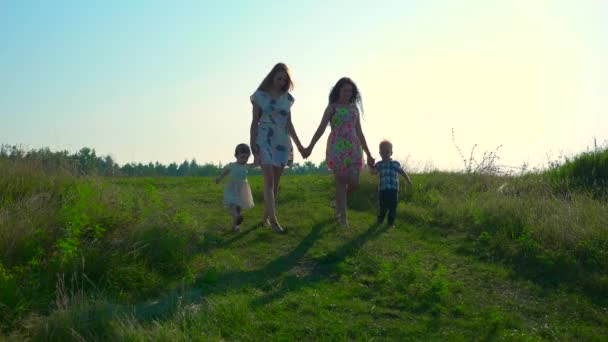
point(170, 80)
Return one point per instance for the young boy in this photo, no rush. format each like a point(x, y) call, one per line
point(388, 188)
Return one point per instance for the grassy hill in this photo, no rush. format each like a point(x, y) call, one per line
point(473, 257)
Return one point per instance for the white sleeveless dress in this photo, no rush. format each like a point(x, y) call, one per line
point(237, 191)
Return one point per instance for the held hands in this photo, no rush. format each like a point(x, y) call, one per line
point(302, 151)
point(370, 161)
point(305, 152)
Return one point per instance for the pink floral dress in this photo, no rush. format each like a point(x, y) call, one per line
point(344, 152)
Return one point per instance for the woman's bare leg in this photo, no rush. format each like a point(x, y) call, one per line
point(269, 199)
point(341, 199)
point(278, 172)
point(353, 182)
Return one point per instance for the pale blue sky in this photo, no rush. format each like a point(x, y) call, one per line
point(170, 80)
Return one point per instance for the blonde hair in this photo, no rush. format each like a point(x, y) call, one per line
point(386, 143)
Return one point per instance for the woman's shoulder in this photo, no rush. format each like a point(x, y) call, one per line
point(289, 97)
point(261, 96)
point(258, 97)
point(261, 92)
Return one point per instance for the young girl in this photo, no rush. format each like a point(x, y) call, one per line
point(271, 134)
point(237, 194)
point(345, 143)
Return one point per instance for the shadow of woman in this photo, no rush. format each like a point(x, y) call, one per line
point(274, 272)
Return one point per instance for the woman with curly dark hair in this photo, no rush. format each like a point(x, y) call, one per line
point(346, 142)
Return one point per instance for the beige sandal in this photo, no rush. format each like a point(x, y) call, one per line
point(277, 228)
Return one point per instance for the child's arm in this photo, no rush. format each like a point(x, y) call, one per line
point(225, 171)
point(406, 177)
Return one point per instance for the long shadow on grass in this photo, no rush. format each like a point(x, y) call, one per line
point(238, 236)
point(215, 240)
point(273, 269)
point(324, 267)
point(270, 276)
point(212, 282)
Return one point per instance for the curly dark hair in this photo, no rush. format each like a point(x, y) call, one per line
point(355, 98)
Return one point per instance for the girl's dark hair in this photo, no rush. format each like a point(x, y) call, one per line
point(241, 148)
point(355, 98)
point(267, 82)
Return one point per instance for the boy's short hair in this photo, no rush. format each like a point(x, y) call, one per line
point(242, 148)
point(386, 143)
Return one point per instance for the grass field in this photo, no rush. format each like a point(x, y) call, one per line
point(154, 258)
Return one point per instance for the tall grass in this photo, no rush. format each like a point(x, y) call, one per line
point(587, 172)
point(526, 221)
point(61, 234)
point(75, 251)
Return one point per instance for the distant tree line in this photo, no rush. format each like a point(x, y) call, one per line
point(87, 162)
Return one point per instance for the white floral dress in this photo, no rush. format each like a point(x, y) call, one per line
point(273, 138)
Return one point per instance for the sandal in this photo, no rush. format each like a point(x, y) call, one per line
point(277, 228)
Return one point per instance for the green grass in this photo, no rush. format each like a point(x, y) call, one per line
point(587, 171)
point(154, 258)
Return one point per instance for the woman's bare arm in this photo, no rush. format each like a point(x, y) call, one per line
point(322, 126)
point(362, 140)
point(292, 133)
point(253, 131)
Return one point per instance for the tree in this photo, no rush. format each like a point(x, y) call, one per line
point(172, 170)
